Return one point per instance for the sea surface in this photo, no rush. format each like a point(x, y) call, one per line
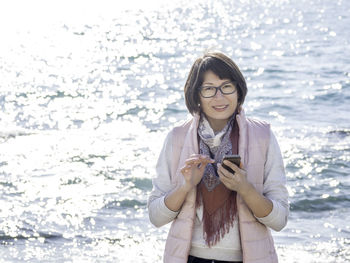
point(89, 90)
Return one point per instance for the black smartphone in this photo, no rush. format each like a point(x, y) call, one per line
point(235, 158)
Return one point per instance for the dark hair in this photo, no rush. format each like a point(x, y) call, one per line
point(220, 65)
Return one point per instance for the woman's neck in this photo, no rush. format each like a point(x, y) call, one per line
point(217, 125)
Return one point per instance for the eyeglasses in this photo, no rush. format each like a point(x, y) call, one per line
point(226, 88)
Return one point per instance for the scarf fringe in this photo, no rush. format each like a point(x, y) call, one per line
point(217, 224)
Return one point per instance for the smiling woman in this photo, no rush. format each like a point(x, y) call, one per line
point(218, 106)
point(216, 214)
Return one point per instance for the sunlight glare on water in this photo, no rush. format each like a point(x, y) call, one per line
point(90, 89)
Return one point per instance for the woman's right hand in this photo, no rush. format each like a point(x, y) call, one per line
point(192, 172)
point(194, 169)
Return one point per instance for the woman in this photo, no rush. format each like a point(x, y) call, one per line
point(218, 215)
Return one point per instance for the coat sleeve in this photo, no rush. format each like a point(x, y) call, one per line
point(159, 213)
point(275, 187)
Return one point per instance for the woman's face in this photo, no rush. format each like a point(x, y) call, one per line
point(218, 109)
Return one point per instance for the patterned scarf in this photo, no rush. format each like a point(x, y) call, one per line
point(219, 203)
point(216, 146)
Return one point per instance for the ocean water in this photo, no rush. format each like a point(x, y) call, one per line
point(89, 90)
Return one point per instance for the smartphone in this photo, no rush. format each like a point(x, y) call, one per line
point(235, 158)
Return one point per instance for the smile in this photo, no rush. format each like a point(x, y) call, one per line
point(220, 107)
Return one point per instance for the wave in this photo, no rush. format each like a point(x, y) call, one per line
point(340, 133)
point(5, 238)
point(126, 203)
point(139, 183)
point(13, 134)
point(321, 204)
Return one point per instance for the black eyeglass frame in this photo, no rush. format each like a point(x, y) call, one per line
point(219, 88)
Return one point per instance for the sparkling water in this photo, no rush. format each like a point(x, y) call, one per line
point(89, 90)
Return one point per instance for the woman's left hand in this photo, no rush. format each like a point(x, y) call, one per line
point(236, 182)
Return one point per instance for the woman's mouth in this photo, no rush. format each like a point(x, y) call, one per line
point(220, 107)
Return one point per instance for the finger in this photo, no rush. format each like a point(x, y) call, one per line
point(195, 155)
point(191, 162)
point(191, 158)
point(202, 166)
point(232, 166)
point(220, 173)
point(194, 159)
point(206, 159)
point(224, 172)
point(209, 160)
point(196, 164)
point(199, 160)
point(202, 160)
point(221, 169)
point(225, 180)
point(186, 168)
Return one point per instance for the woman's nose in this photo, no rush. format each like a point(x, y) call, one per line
point(218, 94)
